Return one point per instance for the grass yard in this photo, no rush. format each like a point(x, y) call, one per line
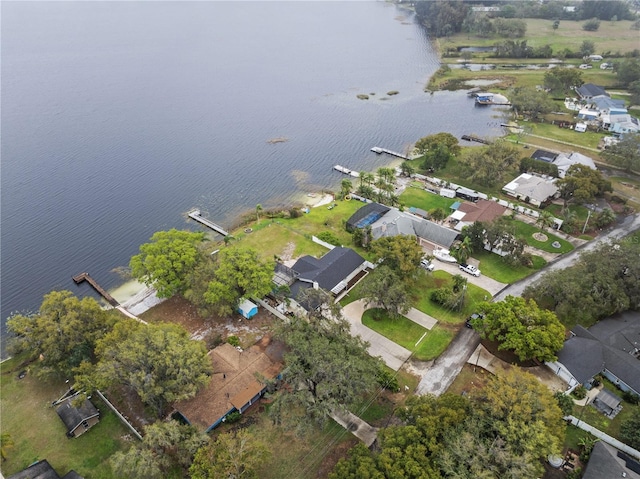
point(38, 432)
point(420, 198)
point(611, 36)
point(588, 139)
point(406, 333)
point(581, 212)
point(469, 380)
point(494, 267)
point(526, 231)
point(439, 279)
point(572, 437)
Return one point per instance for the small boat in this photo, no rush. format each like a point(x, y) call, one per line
point(444, 255)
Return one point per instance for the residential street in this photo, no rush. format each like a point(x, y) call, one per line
point(437, 377)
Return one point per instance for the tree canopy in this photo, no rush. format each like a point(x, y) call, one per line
point(165, 446)
point(400, 253)
point(166, 261)
point(240, 273)
point(64, 332)
point(625, 153)
point(232, 455)
point(327, 369)
point(444, 139)
point(160, 362)
point(529, 100)
point(582, 184)
point(442, 18)
point(384, 288)
point(519, 325)
point(560, 80)
point(601, 283)
point(488, 165)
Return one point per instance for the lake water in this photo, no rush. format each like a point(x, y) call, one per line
point(119, 117)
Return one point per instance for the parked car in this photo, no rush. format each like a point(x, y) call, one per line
point(468, 324)
point(606, 66)
point(472, 270)
point(428, 265)
point(585, 66)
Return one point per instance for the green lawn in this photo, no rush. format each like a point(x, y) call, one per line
point(588, 138)
point(425, 283)
point(494, 267)
point(38, 432)
point(406, 333)
point(526, 231)
point(423, 199)
point(581, 212)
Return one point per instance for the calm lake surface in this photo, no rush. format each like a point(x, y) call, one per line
point(119, 117)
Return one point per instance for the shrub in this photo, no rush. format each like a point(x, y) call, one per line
point(328, 237)
point(295, 213)
point(233, 417)
point(234, 341)
point(630, 397)
point(580, 392)
point(441, 296)
point(591, 25)
point(565, 403)
point(387, 380)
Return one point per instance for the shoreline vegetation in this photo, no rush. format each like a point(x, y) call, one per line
point(289, 239)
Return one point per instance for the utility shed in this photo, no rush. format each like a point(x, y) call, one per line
point(247, 308)
point(78, 419)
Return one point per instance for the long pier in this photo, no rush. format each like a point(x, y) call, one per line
point(476, 139)
point(378, 150)
point(79, 278)
point(196, 216)
point(346, 171)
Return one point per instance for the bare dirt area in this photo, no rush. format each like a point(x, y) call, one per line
point(213, 329)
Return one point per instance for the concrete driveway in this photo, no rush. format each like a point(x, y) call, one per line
point(482, 281)
point(391, 353)
point(439, 376)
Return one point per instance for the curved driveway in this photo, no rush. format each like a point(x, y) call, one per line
point(481, 281)
point(391, 353)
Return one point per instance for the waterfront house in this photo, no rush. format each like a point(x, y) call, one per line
point(78, 420)
point(468, 213)
point(532, 189)
point(589, 91)
point(564, 162)
point(237, 383)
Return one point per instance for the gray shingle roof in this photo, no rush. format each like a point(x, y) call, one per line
point(605, 463)
point(72, 416)
point(39, 470)
point(589, 90)
point(328, 271)
point(396, 222)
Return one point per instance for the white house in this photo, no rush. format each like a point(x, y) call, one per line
point(531, 188)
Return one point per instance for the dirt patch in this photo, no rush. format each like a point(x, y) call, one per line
point(287, 252)
point(507, 356)
point(540, 237)
point(212, 329)
point(333, 456)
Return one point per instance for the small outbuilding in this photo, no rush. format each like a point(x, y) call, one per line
point(78, 419)
point(43, 470)
point(247, 308)
point(607, 402)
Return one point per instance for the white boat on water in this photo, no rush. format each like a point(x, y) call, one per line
point(444, 255)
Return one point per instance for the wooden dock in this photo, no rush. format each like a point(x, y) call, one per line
point(346, 171)
point(79, 278)
point(476, 139)
point(378, 150)
point(196, 216)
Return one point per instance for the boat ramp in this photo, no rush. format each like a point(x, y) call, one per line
point(197, 216)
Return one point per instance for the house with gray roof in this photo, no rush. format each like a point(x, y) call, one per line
point(336, 271)
point(589, 91)
point(564, 162)
point(531, 188)
point(430, 234)
point(43, 470)
point(611, 348)
point(80, 419)
point(606, 462)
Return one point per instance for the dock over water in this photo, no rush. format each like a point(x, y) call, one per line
point(346, 171)
point(197, 216)
point(79, 278)
point(378, 150)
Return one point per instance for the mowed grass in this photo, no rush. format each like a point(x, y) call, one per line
point(406, 333)
point(423, 199)
point(589, 139)
point(494, 267)
point(426, 283)
point(526, 231)
point(611, 36)
point(38, 432)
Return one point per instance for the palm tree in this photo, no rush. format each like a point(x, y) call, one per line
point(366, 178)
point(545, 220)
point(258, 210)
point(463, 251)
point(407, 168)
point(227, 239)
point(605, 218)
point(345, 188)
point(438, 214)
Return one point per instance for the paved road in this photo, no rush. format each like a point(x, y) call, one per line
point(391, 353)
point(437, 378)
point(630, 224)
point(481, 281)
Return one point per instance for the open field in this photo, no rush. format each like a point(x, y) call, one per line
point(38, 432)
point(406, 333)
point(419, 198)
point(610, 37)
